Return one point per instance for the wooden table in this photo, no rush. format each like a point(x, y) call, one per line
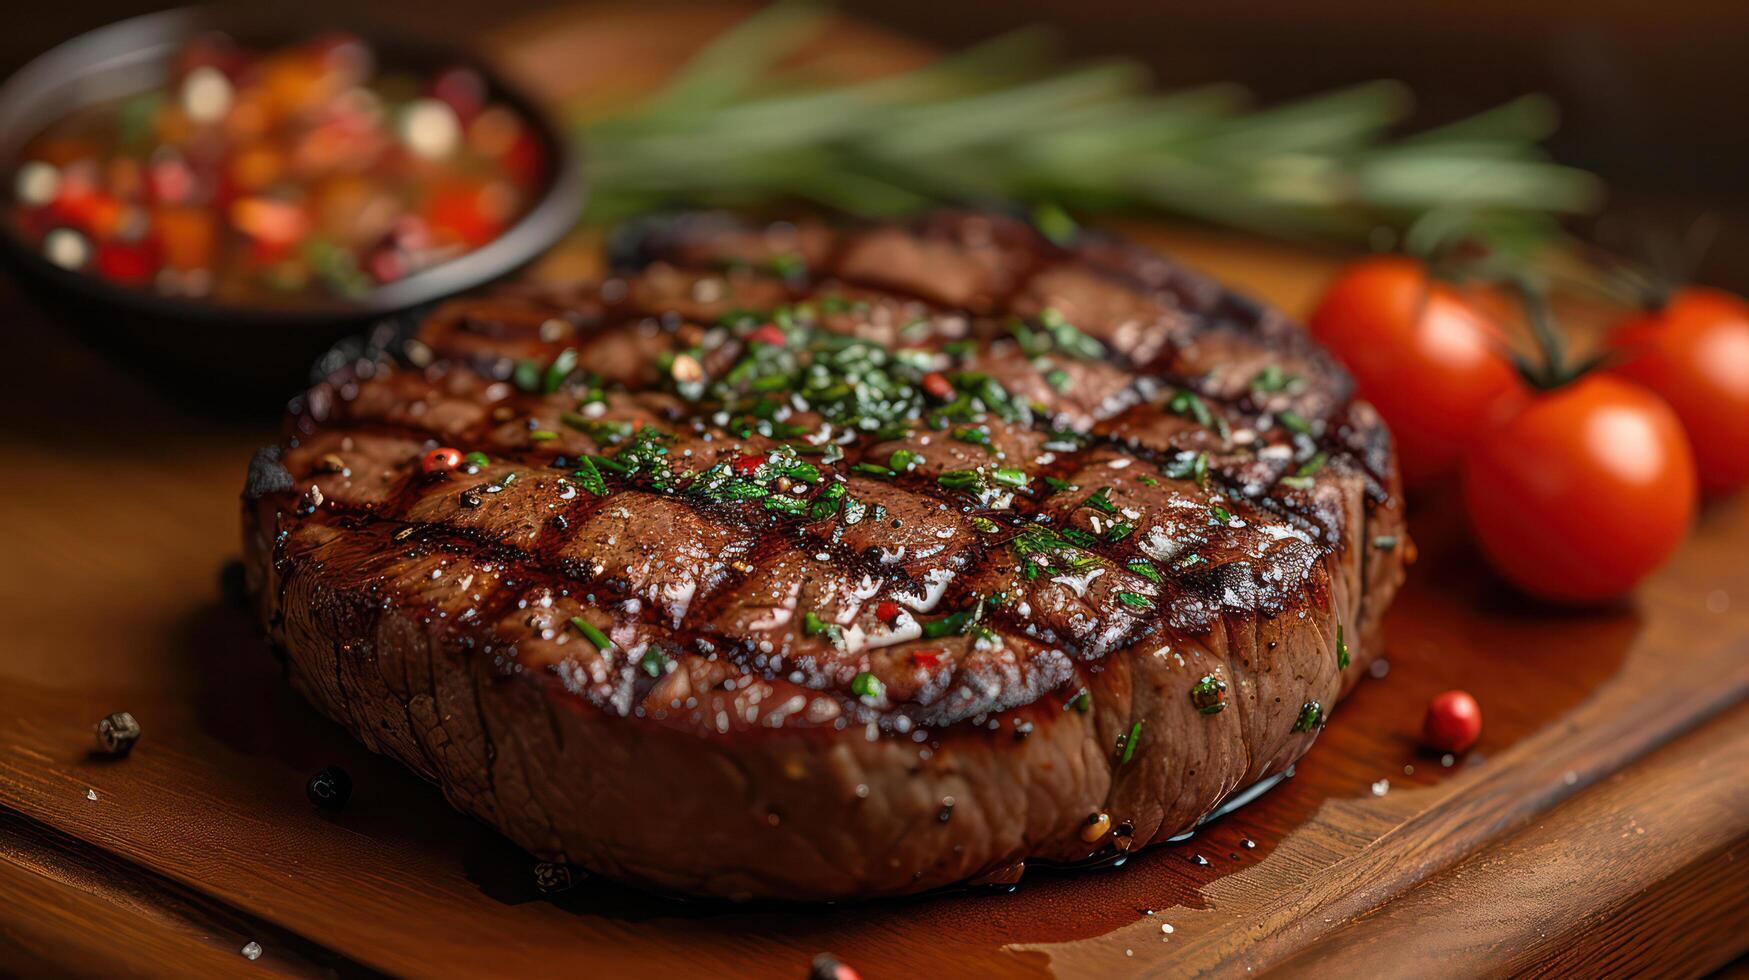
point(1602, 824)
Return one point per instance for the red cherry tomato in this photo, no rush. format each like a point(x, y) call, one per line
point(126, 261)
point(1453, 722)
point(1428, 358)
point(936, 385)
point(1694, 351)
point(1582, 491)
point(459, 209)
point(441, 460)
point(768, 333)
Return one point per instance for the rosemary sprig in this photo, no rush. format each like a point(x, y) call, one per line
point(997, 123)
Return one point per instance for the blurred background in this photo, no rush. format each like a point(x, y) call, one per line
point(1650, 95)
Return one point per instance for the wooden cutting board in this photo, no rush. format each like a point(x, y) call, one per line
point(1602, 824)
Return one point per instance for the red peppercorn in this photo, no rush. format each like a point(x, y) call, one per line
point(937, 386)
point(768, 333)
point(887, 611)
point(1454, 721)
point(829, 967)
point(126, 261)
point(748, 464)
point(441, 460)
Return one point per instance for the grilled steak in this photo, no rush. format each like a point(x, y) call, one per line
point(822, 563)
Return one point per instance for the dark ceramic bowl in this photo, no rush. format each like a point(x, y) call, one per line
point(228, 355)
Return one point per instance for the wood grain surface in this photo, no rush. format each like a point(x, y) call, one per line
point(1601, 825)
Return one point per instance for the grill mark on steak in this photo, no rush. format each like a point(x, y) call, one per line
point(744, 700)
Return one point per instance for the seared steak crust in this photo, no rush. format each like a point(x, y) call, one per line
point(816, 564)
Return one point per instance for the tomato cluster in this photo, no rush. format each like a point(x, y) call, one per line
point(1575, 487)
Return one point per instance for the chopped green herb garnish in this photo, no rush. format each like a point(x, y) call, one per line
point(902, 460)
point(1220, 515)
point(986, 525)
point(1294, 422)
point(1055, 224)
point(867, 685)
point(1310, 713)
point(1209, 695)
point(1079, 538)
point(1117, 532)
point(787, 265)
point(1037, 545)
point(1273, 379)
point(1080, 702)
point(950, 625)
point(1144, 568)
point(978, 435)
point(645, 455)
point(720, 484)
point(1302, 477)
point(1187, 404)
point(589, 477)
point(654, 662)
point(1067, 338)
point(542, 435)
point(611, 465)
point(1101, 500)
point(783, 503)
point(476, 460)
point(1060, 486)
point(1189, 466)
point(1058, 379)
point(1341, 649)
point(959, 479)
point(592, 633)
point(1126, 744)
point(827, 502)
point(1009, 476)
point(603, 431)
point(872, 469)
point(813, 625)
point(559, 370)
point(1135, 600)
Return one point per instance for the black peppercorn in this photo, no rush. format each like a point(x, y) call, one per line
point(552, 877)
point(330, 788)
point(117, 733)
